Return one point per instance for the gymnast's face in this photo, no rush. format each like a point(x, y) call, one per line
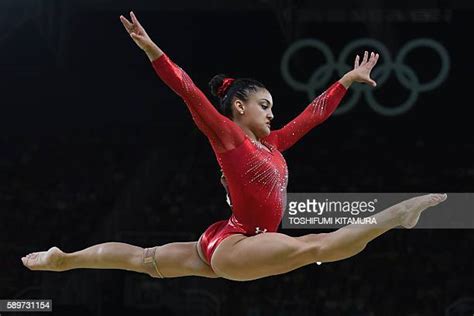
point(255, 114)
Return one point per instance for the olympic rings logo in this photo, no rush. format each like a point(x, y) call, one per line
point(404, 74)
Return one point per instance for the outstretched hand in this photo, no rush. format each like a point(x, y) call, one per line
point(361, 71)
point(137, 32)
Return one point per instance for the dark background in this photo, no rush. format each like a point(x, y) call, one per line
point(94, 148)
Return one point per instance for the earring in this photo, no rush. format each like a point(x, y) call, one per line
point(241, 112)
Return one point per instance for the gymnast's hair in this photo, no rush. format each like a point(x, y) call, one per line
point(239, 88)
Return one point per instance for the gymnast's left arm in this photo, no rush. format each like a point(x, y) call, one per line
point(324, 105)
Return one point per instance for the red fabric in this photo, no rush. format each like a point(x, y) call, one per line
point(224, 87)
point(256, 174)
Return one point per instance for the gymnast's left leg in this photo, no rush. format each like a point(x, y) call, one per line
point(171, 260)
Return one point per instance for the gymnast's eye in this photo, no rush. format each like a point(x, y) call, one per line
point(264, 106)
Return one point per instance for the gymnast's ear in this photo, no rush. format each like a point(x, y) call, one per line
point(238, 107)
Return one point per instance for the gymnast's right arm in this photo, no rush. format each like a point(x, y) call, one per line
point(223, 134)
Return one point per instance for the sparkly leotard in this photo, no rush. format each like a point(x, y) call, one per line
point(256, 173)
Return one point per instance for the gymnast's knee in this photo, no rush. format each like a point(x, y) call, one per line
point(314, 246)
point(151, 262)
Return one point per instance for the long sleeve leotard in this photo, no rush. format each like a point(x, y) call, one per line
point(256, 172)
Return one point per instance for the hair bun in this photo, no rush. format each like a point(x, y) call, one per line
point(215, 83)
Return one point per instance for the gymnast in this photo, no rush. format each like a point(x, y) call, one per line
point(247, 246)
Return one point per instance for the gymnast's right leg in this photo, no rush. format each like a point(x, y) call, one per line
point(171, 260)
point(244, 258)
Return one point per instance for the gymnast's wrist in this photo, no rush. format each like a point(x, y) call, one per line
point(153, 52)
point(347, 79)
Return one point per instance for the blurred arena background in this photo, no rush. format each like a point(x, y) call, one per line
point(94, 148)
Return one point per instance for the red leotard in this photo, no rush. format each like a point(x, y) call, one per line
point(256, 173)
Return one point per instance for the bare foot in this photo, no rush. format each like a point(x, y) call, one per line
point(50, 260)
point(413, 208)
